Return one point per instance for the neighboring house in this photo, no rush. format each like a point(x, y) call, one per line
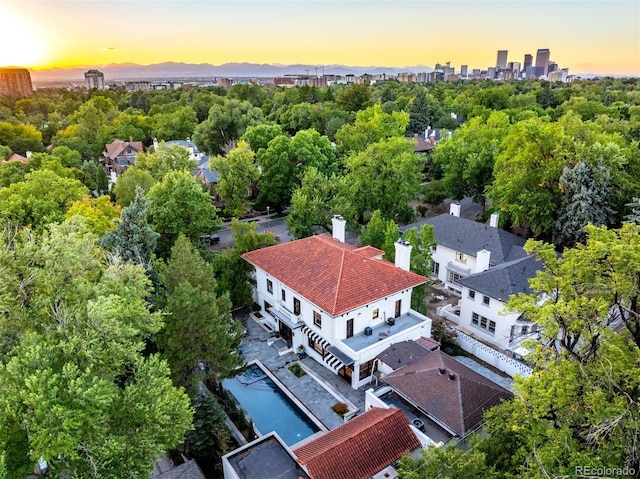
point(187, 470)
point(447, 391)
point(344, 304)
point(361, 448)
point(17, 157)
point(466, 247)
point(482, 306)
point(483, 265)
point(265, 457)
point(203, 172)
point(427, 141)
point(118, 155)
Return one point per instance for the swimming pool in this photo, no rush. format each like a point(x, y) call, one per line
point(269, 407)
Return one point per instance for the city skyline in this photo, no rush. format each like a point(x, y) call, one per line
point(600, 37)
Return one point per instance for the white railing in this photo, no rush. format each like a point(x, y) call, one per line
point(447, 311)
point(504, 363)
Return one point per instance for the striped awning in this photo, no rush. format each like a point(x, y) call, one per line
point(315, 336)
point(342, 357)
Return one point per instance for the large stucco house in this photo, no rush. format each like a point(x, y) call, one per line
point(483, 266)
point(343, 304)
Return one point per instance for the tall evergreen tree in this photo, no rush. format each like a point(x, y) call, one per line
point(200, 338)
point(133, 239)
point(585, 200)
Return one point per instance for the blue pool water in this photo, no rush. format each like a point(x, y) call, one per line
point(269, 407)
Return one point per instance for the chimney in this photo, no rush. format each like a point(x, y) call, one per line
point(454, 209)
point(403, 255)
point(155, 144)
point(493, 220)
point(28, 154)
point(338, 223)
point(482, 260)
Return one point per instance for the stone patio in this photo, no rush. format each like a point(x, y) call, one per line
point(318, 390)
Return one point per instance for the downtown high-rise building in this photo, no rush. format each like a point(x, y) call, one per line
point(94, 80)
point(464, 69)
point(15, 81)
point(542, 62)
point(501, 62)
point(528, 61)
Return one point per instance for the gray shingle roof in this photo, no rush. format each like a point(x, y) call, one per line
point(402, 353)
point(469, 237)
point(504, 280)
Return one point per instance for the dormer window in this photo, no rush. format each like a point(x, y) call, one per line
point(461, 257)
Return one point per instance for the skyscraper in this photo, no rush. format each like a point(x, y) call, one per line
point(542, 62)
point(463, 70)
point(94, 79)
point(501, 62)
point(16, 81)
point(528, 61)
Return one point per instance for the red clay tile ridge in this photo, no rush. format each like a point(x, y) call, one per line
point(337, 277)
point(359, 448)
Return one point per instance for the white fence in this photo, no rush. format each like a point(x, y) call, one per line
point(508, 365)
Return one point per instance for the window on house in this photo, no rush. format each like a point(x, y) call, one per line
point(366, 369)
point(316, 346)
point(375, 313)
point(525, 329)
point(484, 323)
point(486, 300)
point(436, 268)
point(283, 293)
point(454, 277)
point(296, 306)
point(349, 327)
point(461, 257)
point(472, 294)
point(317, 319)
point(270, 286)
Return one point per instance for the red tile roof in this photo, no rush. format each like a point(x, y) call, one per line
point(458, 403)
point(369, 251)
point(334, 276)
point(428, 343)
point(17, 157)
point(359, 448)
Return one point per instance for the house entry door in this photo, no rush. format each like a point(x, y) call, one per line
point(285, 332)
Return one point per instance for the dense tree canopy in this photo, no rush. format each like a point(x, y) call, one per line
point(76, 390)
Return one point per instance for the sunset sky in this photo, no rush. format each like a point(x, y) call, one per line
point(586, 36)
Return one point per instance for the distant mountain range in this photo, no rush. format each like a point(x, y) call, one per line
point(173, 70)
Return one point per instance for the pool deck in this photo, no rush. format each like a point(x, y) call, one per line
point(318, 390)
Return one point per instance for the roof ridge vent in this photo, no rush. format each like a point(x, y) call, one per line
point(452, 376)
point(441, 370)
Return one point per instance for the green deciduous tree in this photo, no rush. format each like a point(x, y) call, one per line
point(132, 178)
point(373, 232)
point(468, 157)
point(75, 388)
point(180, 205)
point(424, 112)
point(236, 172)
point(226, 123)
point(12, 172)
point(372, 125)
point(314, 203)
point(231, 271)
point(386, 177)
point(200, 338)
point(177, 125)
point(41, 199)
point(98, 214)
point(259, 136)
point(165, 159)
